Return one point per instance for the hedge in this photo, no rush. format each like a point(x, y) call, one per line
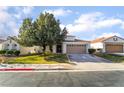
point(91, 51)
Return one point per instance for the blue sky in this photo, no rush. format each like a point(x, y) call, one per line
point(83, 22)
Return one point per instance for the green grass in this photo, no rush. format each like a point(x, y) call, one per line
point(113, 58)
point(39, 59)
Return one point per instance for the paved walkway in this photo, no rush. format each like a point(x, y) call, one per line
point(118, 54)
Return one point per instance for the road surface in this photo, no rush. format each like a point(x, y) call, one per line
point(62, 79)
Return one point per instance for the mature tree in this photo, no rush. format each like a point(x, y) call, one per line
point(26, 33)
point(44, 31)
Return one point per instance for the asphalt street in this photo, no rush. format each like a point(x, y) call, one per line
point(62, 79)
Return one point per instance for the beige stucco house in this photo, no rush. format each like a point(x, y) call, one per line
point(112, 44)
point(71, 45)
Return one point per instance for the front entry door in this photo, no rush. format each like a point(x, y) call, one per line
point(59, 49)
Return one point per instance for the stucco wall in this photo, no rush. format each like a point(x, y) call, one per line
point(27, 50)
point(119, 40)
point(70, 38)
point(96, 45)
point(10, 44)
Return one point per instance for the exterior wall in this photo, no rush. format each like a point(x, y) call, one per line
point(119, 40)
point(104, 50)
point(54, 48)
point(27, 50)
point(112, 41)
point(10, 44)
point(63, 48)
point(0, 46)
point(70, 38)
point(87, 47)
point(97, 45)
point(123, 47)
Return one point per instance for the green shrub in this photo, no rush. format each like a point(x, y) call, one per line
point(3, 52)
point(91, 51)
point(99, 49)
point(47, 53)
point(16, 52)
point(10, 52)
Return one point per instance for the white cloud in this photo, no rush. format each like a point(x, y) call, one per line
point(92, 22)
point(108, 23)
point(109, 34)
point(4, 16)
point(7, 23)
point(59, 12)
point(3, 8)
point(27, 10)
point(89, 17)
point(23, 12)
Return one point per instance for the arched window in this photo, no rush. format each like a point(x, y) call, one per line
point(15, 45)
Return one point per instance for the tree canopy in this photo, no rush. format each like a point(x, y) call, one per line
point(44, 31)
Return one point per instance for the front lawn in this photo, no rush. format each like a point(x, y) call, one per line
point(39, 59)
point(113, 58)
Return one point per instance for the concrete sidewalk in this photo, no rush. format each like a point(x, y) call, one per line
point(99, 66)
point(37, 66)
point(79, 67)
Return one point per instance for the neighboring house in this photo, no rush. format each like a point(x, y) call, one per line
point(9, 45)
point(113, 44)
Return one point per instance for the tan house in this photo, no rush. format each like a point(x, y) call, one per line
point(112, 44)
point(71, 45)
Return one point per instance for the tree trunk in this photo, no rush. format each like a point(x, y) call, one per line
point(44, 48)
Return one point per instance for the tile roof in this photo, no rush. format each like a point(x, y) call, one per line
point(77, 40)
point(100, 39)
point(2, 40)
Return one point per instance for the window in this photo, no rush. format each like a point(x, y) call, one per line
point(115, 39)
point(15, 45)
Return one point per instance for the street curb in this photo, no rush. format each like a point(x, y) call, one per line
point(55, 70)
point(16, 69)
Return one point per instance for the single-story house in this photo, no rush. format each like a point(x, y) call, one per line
point(9, 45)
point(71, 45)
point(112, 44)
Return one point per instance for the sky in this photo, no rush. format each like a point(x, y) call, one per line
point(84, 22)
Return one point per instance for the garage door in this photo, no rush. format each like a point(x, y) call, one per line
point(114, 48)
point(76, 49)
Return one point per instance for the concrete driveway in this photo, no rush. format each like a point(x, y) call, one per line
point(81, 58)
